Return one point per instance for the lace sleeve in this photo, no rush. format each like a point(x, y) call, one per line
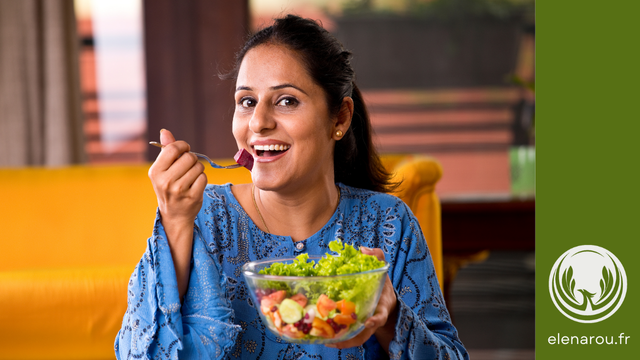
point(157, 325)
point(424, 329)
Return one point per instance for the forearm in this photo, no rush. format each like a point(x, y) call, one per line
point(180, 239)
point(154, 323)
point(386, 333)
point(423, 328)
point(417, 337)
point(153, 311)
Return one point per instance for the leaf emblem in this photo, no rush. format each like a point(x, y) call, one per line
point(606, 283)
point(568, 283)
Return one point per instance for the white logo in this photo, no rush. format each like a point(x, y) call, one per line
point(587, 283)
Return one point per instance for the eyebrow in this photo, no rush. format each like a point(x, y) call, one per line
point(277, 87)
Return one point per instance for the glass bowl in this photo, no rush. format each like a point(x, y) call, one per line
point(314, 309)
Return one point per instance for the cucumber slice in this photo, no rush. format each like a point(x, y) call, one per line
point(313, 309)
point(290, 311)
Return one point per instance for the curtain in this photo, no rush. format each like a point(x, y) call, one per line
point(40, 101)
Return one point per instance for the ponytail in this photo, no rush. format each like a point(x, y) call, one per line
point(355, 160)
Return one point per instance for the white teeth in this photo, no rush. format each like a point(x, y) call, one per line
point(279, 147)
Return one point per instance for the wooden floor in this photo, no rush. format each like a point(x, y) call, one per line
point(493, 306)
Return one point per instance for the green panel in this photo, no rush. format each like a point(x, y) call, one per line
point(587, 182)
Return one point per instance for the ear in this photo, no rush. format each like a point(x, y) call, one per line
point(343, 120)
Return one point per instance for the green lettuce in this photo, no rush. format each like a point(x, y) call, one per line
point(348, 260)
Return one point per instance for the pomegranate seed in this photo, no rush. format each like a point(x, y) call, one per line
point(274, 308)
point(354, 316)
point(306, 316)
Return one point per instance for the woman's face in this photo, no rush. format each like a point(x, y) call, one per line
point(281, 117)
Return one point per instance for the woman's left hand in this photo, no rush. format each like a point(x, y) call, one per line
point(383, 321)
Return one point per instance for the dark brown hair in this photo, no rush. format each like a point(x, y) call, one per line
point(355, 160)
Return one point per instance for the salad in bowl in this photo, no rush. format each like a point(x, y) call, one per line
point(317, 299)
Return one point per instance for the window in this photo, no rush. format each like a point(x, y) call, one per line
point(112, 80)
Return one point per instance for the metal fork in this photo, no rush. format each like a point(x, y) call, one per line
point(203, 157)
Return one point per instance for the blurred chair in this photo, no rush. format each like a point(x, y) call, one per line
point(419, 175)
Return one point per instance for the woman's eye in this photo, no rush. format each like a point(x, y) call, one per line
point(288, 102)
point(247, 102)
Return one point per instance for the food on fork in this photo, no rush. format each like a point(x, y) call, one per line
point(244, 158)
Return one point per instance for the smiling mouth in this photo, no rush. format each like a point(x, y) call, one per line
point(271, 150)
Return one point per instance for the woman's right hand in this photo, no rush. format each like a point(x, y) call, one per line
point(178, 180)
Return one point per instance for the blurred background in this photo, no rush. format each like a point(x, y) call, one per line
point(452, 79)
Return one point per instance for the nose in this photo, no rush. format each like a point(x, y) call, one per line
point(261, 119)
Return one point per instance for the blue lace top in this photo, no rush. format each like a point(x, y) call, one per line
point(218, 319)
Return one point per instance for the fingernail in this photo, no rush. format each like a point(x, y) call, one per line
point(161, 130)
point(369, 324)
point(364, 247)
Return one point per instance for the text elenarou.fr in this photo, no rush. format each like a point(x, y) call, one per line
point(621, 339)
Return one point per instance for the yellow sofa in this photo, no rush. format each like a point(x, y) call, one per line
point(70, 238)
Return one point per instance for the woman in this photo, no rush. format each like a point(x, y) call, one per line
point(316, 177)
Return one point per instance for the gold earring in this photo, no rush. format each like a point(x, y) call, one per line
point(339, 133)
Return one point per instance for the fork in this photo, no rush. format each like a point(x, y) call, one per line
point(203, 157)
